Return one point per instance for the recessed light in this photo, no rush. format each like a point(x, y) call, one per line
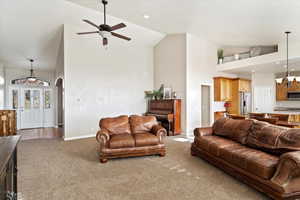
point(284, 66)
point(277, 63)
point(146, 16)
point(292, 69)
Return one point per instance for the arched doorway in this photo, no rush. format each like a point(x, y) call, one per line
point(60, 102)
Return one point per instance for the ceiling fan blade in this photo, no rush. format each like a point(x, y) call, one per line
point(118, 26)
point(105, 41)
point(120, 36)
point(91, 23)
point(84, 33)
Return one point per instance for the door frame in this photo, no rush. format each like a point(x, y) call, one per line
point(210, 102)
point(21, 88)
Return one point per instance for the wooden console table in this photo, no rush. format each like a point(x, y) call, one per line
point(8, 122)
point(8, 167)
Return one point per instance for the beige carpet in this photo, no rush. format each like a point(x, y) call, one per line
point(58, 170)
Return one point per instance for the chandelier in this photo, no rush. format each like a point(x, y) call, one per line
point(31, 80)
point(288, 77)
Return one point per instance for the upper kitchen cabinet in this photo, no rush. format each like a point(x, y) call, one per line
point(244, 85)
point(281, 91)
point(222, 89)
point(284, 93)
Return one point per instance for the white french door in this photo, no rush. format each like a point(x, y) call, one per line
point(32, 109)
point(34, 106)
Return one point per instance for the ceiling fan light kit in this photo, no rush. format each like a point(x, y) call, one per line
point(105, 30)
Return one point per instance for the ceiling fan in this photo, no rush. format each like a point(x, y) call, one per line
point(105, 30)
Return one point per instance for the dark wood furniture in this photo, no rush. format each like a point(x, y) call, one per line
point(8, 167)
point(269, 120)
point(281, 117)
point(288, 124)
point(8, 125)
point(236, 116)
point(256, 115)
point(168, 112)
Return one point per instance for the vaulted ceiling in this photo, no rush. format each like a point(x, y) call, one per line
point(226, 22)
point(32, 28)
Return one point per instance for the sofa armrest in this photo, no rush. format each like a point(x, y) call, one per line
point(287, 175)
point(103, 138)
point(198, 132)
point(160, 132)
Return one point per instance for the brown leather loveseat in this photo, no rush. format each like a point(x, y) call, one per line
point(265, 156)
point(125, 136)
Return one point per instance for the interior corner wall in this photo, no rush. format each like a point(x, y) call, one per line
point(170, 68)
point(263, 92)
point(60, 59)
point(201, 59)
point(103, 83)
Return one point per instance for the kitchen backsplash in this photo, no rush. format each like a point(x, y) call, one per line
point(289, 104)
point(218, 106)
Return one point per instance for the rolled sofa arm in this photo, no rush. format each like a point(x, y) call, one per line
point(103, 138)
point(160, 132)
point(287, 175)
point(198, 132)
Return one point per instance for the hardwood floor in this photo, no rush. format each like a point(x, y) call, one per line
point(41, 133)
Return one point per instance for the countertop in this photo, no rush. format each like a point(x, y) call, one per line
point(287, 110)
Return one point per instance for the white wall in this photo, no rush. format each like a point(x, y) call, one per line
point(102, 83)
point(264, 92)
point(201, 68)
point(170, 67)
point(59, 70)
point(185, 62)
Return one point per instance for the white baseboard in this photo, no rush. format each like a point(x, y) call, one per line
point(79, 137)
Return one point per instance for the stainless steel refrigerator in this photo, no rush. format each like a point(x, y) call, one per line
point(245, 103)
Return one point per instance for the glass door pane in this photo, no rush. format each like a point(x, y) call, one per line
point(36, 102)
point(27, 99)
point(15, 99)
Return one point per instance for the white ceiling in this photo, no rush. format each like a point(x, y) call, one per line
point(32, 28)
point(226, 22)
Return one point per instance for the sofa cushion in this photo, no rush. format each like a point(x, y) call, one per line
point(141, 124)
point(236, 130)
point(213, 144)
point(121, 141)
point(273, 139)
point(116, 125)
point(145, 139)
point(289, 140)
point(253, 161)
point(218, 125)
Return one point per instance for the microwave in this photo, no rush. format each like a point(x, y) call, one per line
point(293, 96)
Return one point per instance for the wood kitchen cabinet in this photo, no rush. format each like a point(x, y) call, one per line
point(222, 89)
point(281, 91)
point(244, 85)
point(238, 85)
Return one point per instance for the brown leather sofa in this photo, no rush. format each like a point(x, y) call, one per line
point(125, 136)
point(265, 156)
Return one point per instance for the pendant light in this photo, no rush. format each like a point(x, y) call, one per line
point(288, 78)
point(31, 80)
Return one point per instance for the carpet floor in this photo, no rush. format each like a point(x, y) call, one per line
point(58, 170)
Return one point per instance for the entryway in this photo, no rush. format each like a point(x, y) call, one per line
point(34, 106)
point(205, 105)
